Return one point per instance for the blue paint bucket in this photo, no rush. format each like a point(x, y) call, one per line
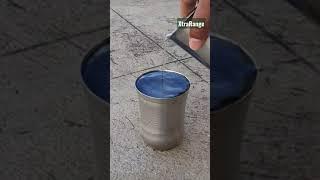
point(95, 75)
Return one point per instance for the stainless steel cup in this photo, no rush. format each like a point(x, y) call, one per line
point(100, 112)
point(226, 141)
point(314, 5)
point(162, 119)
point(228, 124)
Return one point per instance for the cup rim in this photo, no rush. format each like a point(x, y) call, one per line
point(248, 93)
point(166, 98)
point(91, 52)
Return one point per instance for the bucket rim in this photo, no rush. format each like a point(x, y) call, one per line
point(167, 98)
point(91, 52)
point(252, 88)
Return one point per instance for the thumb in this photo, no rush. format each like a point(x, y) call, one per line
point(198, 36)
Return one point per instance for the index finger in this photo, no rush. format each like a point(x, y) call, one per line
point(198, 36)
point(186, 7)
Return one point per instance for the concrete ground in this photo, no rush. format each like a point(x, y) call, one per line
point(138, 44)
point(44, 130)
point(281, 138)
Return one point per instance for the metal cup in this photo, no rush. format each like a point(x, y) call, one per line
point(162, 119)
point(98, 104)
point(228, 125)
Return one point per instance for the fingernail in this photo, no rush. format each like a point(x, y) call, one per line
point(195, 44)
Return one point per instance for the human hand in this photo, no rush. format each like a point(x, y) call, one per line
point(197, 36)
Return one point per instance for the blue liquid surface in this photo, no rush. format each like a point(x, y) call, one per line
point(95, 73)
point(232, 75)
point(162, 84)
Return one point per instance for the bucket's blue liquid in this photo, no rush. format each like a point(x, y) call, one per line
point(95, 73)
point(162, 84)
point(232, 75)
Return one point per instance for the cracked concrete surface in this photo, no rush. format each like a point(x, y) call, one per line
point(43, 117)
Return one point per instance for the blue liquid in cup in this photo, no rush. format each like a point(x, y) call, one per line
point(162, 84)
point(232, 75)
point(95, 73)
